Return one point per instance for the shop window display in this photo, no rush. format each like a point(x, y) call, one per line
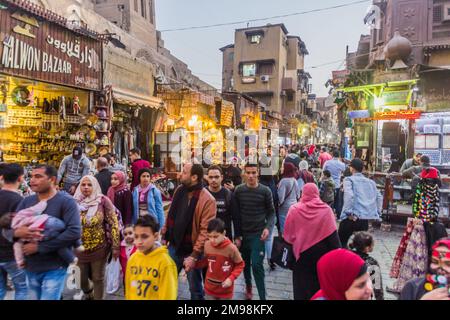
point(41, 122)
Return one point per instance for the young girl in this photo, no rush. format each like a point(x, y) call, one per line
point(120, 195)
point(362, 245)
point(127, 248)
point(147, 199)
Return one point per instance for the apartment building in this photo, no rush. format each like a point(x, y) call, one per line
point(267, 64)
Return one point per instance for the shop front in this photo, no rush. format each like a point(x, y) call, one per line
point(136, 110)
point(378, 120)
point(50, 80)
point(193, 128)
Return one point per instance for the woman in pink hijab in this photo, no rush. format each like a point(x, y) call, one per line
point(120, 195)
point(311, 229)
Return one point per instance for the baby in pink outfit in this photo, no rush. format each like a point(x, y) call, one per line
point(34, 218)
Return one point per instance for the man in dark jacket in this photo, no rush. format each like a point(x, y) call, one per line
point(46, 270)
point(104, 175)
point(136, 165)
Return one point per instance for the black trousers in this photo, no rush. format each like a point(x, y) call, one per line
point(347, 227)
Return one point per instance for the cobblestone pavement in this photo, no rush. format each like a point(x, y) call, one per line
point(279, 282)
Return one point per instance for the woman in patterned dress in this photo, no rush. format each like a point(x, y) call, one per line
point(100, 236)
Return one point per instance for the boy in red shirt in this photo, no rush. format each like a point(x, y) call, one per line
point(224, 263)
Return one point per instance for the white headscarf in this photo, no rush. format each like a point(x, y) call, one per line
point(91, 203)
point(303, 165)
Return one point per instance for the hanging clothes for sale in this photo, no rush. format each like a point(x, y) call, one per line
point(414, 251)
point(426, 197)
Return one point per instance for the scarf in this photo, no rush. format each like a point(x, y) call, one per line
point(142, 192)
point(91, 203)
point(306, 176)
point(336, 271)
point(122, 185)
point(309, 221)
point(289, 170)
point(180, 218)
point(311, 149)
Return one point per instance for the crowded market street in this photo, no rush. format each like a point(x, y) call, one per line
point(283, 151)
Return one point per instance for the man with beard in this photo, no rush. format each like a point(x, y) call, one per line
point(185, 230)
point(225, 209)
point(72, 169)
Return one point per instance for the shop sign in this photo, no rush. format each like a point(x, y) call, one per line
point(397, 115)
point(359, 114)
point(130, 76)
point(340, 77)
point(40, 50)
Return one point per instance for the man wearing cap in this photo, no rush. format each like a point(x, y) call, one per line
point(72, 169)
point(362, 202)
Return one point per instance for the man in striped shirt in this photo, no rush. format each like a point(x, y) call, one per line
point(256, 210)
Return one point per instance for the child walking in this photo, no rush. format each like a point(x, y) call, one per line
point(127, 248)
point(223, 261)
point(362, 245)
point(151, 274)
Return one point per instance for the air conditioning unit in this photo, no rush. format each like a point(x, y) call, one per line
point(446, 13)
point(265, 78)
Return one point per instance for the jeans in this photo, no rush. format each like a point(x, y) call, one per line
point(269, 244)
point(46, 285)
point(282, 217)
point(348, 227)
point(337, 201)
point(252, 250)
point(18, 277)
point(194, 276)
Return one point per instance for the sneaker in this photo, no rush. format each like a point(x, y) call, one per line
point(248, 293)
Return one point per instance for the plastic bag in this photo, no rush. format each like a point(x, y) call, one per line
point(113, 276)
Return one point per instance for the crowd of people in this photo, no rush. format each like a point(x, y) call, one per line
point(221, 222)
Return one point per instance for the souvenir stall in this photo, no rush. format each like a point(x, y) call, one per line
point(49, 77)
point(190, 129)
point(380, 116)
point(136, 109)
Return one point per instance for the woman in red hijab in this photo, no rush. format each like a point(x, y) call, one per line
point(343, 276)
point(311, 229)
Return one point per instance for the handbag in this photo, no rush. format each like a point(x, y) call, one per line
point(287, 196)
point(282, 253)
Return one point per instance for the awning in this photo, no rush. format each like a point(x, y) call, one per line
point(132, 99)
